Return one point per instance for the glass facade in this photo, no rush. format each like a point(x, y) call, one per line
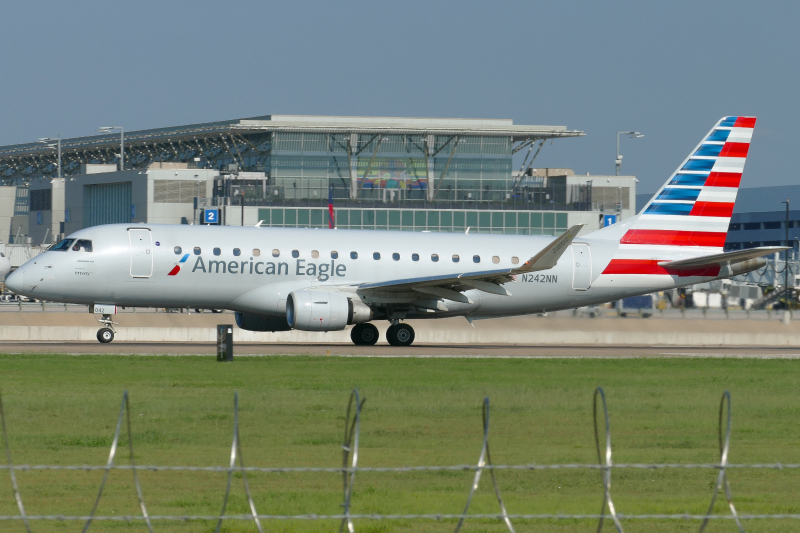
point(390, 167)
point(448, 220)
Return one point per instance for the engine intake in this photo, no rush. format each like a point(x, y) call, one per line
point(253, 322)
point(310, 310)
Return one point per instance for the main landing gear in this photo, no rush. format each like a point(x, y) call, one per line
point(364, 334)
point(106, 333)
point(367, 335)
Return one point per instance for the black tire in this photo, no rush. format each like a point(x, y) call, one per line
point(400, 335)
point(105, 335)
point(364, 335)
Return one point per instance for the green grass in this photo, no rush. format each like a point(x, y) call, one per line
point(62, 410)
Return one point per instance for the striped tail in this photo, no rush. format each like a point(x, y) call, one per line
point(694, 206)
point(690, 214)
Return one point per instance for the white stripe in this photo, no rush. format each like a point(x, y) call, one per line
point(663, 252)
point(683, 223)
point(729, 164)
point(718, 194)
point(740, 135)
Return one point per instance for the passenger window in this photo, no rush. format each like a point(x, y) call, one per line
point(63, 246)
point(334, 255)
point(83, 246)
point(476, 259)
point(376, 256)
point(435, 257)
point(396, 256)
point(415, 257)
point(217, 251)
point(237, 252)
point(256, 252)
point(495, 259)
point(178, 250)
point(353, 255)
point(276, 253)
point(515, 260)
point(456, 259)
point(314, 254)
point(295, 254)
point(196, 250)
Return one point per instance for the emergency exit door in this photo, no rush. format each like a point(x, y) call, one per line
point(141, 252)
point(581, 266)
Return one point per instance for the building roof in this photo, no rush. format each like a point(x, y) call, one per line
point(303, 123)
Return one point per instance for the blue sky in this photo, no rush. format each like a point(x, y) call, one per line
point(667, 69)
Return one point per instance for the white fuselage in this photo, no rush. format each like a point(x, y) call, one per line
point(124, 270)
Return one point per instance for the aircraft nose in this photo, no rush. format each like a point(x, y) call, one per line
point(15, 281)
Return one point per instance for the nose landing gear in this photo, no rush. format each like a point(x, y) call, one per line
point(106, 333)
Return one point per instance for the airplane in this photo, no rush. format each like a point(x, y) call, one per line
point(5, 265)
point(279, 279)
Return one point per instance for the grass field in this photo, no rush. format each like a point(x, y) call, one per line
point(62, 410)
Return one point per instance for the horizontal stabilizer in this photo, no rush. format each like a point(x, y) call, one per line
point(721, 259)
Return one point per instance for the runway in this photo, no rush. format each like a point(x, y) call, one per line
point(422, 351)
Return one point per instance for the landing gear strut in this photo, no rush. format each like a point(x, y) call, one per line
point(400, 335)
point(106, 333)
point(364, 334)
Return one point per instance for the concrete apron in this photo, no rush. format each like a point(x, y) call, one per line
point(532, 330)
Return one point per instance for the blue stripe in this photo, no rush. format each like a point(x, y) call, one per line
point(679, 194)
point(709, 150)
point(719, 135)
point(728, 121)
point(184, 258)
point(669, 209)
point(699, 164)
point(689, 179)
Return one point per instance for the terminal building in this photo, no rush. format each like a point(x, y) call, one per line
point(409, 174)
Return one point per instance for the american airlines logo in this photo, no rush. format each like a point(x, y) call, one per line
point(320, 271)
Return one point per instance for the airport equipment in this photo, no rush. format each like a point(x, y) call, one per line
point(225, 342)
point(349, 469)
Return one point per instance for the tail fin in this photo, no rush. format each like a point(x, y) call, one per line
point(694, 206)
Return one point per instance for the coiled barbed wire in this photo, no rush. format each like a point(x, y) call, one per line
point(350, 468)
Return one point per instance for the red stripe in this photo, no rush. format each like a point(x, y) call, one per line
point(650, 266)
point(712, 209)
point(674, 238)
point(745, 122)
point(330, 216)
point(174, 270)
point(734, 150)
point(723, 179)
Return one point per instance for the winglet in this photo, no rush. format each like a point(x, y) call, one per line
point(259, 223)
point(550, 254)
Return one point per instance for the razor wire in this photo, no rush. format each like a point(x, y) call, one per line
point(350, 468)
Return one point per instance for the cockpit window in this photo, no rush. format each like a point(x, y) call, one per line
point(63, 246)
point(83, 245)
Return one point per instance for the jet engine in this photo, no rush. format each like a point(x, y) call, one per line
point(311, 310)
point(253, 322)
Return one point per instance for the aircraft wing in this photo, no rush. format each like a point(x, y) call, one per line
point(449, 286)
point(721, 259)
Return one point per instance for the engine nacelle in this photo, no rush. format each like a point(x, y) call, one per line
point(311, 310)
point(253, 322)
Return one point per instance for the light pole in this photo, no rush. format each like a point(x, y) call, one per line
point(49, 142)
point(107, 129)
point(786, 256)
point(632, 135)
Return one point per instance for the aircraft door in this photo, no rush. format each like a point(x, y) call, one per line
point(581, 266)
point(141, 252)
